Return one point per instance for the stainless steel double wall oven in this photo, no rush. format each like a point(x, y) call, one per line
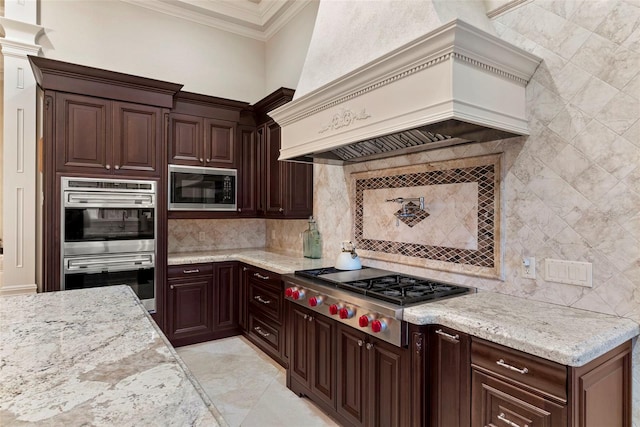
point(109, 235)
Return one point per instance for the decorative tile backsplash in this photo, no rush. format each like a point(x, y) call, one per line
point(459, 223)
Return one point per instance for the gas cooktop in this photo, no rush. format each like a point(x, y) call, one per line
point(384, 285)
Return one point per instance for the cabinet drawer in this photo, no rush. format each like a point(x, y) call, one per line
point(264, 298)
point(187, 270)
point(498, 403)
point(546, 377)
point(266, 278)
point(266, 332)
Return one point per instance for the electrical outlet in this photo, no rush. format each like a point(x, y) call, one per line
point(202, 236)
point(529, 268)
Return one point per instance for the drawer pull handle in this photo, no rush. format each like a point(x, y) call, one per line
point(195, 270)
point(260, 276)
point(502, 363)
point(455, 337)
point(262, 300)
point(502, 417)
point(259, 330)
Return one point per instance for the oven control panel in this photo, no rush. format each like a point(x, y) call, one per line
point(348, 310)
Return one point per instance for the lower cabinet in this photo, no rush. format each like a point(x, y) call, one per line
point(263, 311)
point(354, 377)
point(202, 302)
point(312, 354)
point(512, 388)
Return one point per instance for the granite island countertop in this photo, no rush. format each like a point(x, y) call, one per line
point(562, 334)
point(92, 357)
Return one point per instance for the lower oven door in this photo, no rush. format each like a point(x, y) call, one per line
point(136, 270)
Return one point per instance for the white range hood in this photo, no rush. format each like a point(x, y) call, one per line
point(456, 84)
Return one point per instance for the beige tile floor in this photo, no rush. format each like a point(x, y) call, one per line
point(247, 387)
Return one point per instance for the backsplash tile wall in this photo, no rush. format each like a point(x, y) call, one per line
point(189, 235)
point(572, 188)
point(459, 227)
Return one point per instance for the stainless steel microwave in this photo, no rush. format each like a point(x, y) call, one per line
point(193, 188)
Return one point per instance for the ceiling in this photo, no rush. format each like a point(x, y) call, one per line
point(258, 19)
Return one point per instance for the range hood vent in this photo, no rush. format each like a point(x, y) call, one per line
point(454, 85)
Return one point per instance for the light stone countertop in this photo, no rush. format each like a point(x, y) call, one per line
point(562, 334)
point(92, 357)
point(276, 261)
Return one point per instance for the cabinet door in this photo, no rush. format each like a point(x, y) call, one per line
point(322, 351)
point(298, 189)
point(450, 377)
point(388, 388)
point(274, 172)
point(186, 143)
point(137, 139)
point(225, 301)
point(248, 173)
point(300, 339)
point(83, 134)
point(498, 403)
point(189, 314)
point(219, 143)
point(351, 374)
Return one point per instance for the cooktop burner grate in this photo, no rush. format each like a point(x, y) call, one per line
point(394, 288)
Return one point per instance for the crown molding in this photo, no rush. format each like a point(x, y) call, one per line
point(259, 21)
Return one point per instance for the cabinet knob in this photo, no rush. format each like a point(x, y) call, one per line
point(208, 160)
point(360, 343)
point(171, 287)
point(107, 167)
point(281, 210)
point(116, 167)
point(239, 209)
point(201, 160)
point(369, 346)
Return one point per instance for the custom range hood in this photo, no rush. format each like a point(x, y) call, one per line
point(456, 84)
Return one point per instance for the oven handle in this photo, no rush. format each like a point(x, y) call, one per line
point(108, 264)
point(108, 200)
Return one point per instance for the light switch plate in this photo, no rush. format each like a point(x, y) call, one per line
point(569, 272)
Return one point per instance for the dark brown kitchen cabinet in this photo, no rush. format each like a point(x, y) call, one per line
point(450, 372)
point(510, 387)
point(312, 355)
point(190, 303)
point(203, 131)
point(100, 136)
point(372, 380)
point(265, 311)
point(286, 189)
point(248, 173)
point(288, 186)
point(202, 302)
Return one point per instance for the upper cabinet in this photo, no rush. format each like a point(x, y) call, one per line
point(102, 122)
point(286, 188)
point(204, 131)
point(103, 136)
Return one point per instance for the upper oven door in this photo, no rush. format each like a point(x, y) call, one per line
point(105, 216)
point(194, 188)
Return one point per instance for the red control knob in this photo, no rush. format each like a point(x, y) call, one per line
point(364, 320)
point(335, 309)
point(346, 313)
point(298, 294)
point(315, 301)
point(378, 326)
point(289, 292)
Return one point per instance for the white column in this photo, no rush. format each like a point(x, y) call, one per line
point(19, 166)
